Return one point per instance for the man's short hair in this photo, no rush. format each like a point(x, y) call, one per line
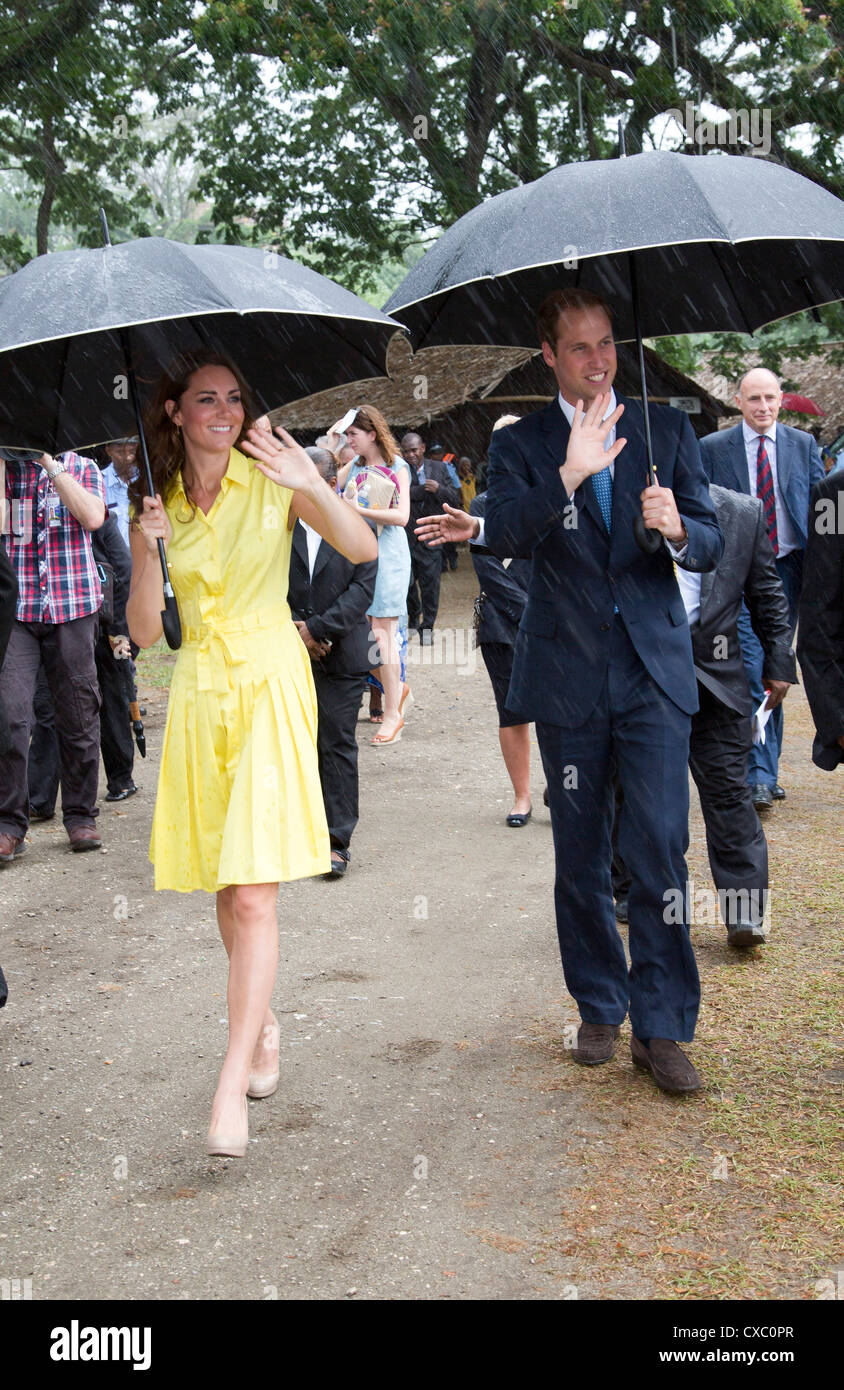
point(557, 302)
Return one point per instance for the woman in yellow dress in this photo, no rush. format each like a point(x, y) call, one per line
point(239, 806)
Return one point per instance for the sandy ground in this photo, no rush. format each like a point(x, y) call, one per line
point(430, 1135)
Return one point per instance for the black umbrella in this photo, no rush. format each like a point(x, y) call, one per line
point(134, 708)
point(84, 334)
point(677, 243)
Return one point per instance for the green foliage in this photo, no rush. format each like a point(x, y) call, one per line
point(70, 119)
point(353, 129)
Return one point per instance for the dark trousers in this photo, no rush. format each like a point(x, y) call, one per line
point(338, 699)
point(735, 841)
point(763, 763)
point(67, 651)
point(116, 742)
point(423, 596)
point(639, 733)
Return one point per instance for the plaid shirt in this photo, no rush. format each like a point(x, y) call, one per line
point(49, 549)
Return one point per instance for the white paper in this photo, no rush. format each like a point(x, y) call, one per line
point(343, 425)
point(760, 719)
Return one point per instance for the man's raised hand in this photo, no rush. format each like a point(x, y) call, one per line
point(586, 454)
point(451, 525)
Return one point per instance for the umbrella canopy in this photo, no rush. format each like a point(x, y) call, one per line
point(800, 405)
point(66, 319)
point(721, 242)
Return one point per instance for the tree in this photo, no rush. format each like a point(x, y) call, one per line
point(70, 118)
point(354, 128)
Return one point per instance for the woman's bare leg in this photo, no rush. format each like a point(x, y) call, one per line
point(248, 919)
point(385, 632)
point(263, 1058)
point(515, 748)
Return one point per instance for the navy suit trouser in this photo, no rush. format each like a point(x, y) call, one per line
point(636, 730)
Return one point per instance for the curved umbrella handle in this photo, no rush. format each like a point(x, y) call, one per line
point(170, 620)
point(646, 539)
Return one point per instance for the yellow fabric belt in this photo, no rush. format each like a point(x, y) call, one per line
point(218, 641)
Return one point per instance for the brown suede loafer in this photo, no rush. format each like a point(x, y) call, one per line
point(672, 1071)
point(84, 837)
point(595, 1044)
point(11, 847)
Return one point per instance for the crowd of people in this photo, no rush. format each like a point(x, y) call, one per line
point(298, 573)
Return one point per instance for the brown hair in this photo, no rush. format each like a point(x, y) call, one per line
point(369, 417)
point(164, 440)
point(557, 302)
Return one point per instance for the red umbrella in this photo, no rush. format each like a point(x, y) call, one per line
point(801, 405)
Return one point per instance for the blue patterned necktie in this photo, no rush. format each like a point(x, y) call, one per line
point(602, 484)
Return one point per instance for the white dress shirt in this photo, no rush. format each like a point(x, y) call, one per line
point(689, 582)
point(314, 540)
point(786, 538)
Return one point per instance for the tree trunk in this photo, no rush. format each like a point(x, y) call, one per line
point(53, 169)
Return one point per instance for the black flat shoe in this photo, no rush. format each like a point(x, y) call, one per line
point(778, 793)
point(517, 819)
point(762, 797)
point(338, 866)
point(121, 795)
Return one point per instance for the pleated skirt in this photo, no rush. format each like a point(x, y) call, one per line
point(239, 796)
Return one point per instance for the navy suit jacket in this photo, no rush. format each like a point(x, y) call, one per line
point(799, 467)
point(820, 634)
point(580, 572)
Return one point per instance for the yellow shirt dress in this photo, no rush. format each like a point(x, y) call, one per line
point(239, 797)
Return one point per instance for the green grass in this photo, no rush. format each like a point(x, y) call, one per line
point(155, 665)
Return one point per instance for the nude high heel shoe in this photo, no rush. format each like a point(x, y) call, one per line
point(264, 1083)
point(232, 1145)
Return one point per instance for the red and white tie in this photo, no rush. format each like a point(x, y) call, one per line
point(765, 491)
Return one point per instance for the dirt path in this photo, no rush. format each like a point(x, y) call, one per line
point(431, 1138)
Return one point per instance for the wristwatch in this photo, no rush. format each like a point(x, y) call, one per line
point(54, 472)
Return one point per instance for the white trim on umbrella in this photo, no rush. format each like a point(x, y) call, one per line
point(384, 321)
point(606, 255)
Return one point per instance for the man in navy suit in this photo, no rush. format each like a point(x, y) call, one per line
point(603, 665)
point(780, 465)
point(820, 644)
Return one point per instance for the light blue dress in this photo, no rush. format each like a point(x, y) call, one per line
point(393, 581)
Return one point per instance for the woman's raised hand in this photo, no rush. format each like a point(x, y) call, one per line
point(153, 523)
point(281, 459)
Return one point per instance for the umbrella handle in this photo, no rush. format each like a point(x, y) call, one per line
point(645, 538)
point(170, 619)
